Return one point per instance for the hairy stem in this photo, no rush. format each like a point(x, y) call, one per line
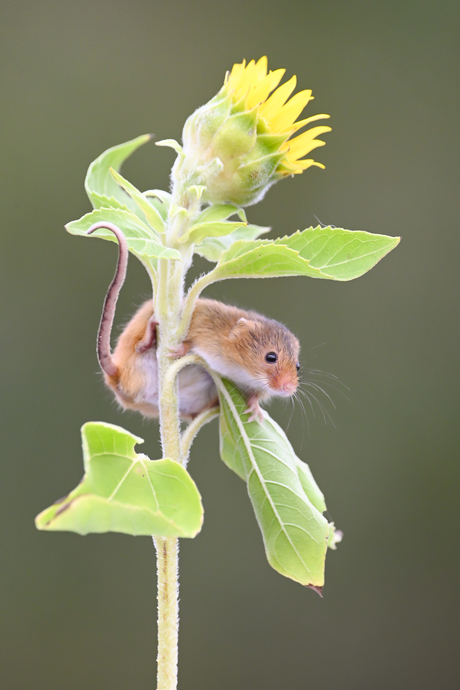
point(189, 302)
point(168, 611)
point(193, 428)
point(168, 305)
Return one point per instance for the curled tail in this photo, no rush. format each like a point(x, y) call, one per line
point(104, 354)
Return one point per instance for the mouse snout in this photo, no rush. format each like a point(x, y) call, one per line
point(286, 386)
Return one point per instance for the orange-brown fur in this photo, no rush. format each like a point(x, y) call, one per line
point(234, 338)
point(258, 354)
point(232, 341)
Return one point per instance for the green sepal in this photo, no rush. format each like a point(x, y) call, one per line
point(260, 168)
point(141, 240)
point(100, 187)
point(123, 491)
point(151, 214)
point(238, 135)
point(270, 143)
point(288, 509)
point(203, 124)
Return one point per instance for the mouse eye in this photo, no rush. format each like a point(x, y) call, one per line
point(297, 366)
point(271, 357)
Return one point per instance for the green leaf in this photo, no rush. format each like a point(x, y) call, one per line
point(286, 500)
point(161, 199)
point(217, 212)
point(256, 260)
point(212, 247)
point(330, 253)
point(126, 492)
point(100, 187)
point(141, 240)
point(340, 254)
point(153, 217)
point(199, 231)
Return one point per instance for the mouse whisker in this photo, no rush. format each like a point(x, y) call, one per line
point(331, 379)
point(324, 412)
point(303, 410)
point(317, 387)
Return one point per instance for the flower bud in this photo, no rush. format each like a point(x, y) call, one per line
point(240, 142)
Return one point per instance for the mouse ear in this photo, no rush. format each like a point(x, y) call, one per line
point(242, 326)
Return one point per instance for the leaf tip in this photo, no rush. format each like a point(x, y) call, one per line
point(318, 590)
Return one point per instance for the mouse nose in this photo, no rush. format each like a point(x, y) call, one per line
point(288, 387)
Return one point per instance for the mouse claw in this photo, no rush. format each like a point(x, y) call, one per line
point(178, 351)
point(254, 410)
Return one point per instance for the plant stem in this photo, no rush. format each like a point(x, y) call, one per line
point(168, 304)
point(189, 302)
point(168, 549)
point(192, 430)
point(168, 611)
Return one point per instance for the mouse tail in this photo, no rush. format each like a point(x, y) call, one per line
point(104, 353)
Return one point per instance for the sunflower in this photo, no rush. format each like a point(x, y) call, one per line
point(242, 141)
point(276, 114)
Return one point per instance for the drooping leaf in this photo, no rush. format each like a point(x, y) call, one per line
point(330, 253)
point(286, 500)
point(151, 214)
point(212, 247)
point(123, 491)
point(100, 187)
point(141, 240)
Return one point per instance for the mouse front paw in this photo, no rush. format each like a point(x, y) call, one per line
point(254, 410)
point(178, 351)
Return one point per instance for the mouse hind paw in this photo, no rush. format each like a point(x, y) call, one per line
point(150, 336)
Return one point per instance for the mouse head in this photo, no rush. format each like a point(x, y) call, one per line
point(269, 353)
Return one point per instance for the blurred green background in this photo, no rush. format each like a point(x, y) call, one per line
point(78, 77)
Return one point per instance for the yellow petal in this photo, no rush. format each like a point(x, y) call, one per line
point(313, 118)
point(260, 92)
point(306, 142)
point(246, 80)
point(298, 167)
point(308, 162)
point(307, 148)
point(290, 112)
point(235, 74)
point(271, 107)
point(261, 67)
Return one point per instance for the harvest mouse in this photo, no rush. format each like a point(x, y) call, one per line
point(258, 354)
